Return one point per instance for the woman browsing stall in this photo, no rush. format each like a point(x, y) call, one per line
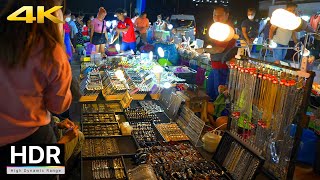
point(99, 35)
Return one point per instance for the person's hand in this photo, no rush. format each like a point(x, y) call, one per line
point(73, 49)
point(69, 135)
point(66, 124)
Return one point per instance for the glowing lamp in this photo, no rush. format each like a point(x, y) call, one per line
point(209, 47)
point(222, 32)
point(287, 20)
point(157, 70)
point(170, 26)
point(108, 24)
point(118, 47)
point(161, 52)
point(305, 53)
point(119, 74)
point(167, 85)
point(151, 56)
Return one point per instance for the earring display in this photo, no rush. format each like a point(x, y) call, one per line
point(94, 108)
point(239, 161)
point(98, 118)
point(181, 161)
point(108, 169)
point(265, 102)
point(140, 114)
point(151, 107)
point(144, 133)
point(99, 147)
point(101, 130)
point(171, 132)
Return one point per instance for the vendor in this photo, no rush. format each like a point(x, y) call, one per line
point(126, 27)
point(220, 53)
point(160, 25)
point(99, 31)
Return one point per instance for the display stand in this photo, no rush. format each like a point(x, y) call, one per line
point(255, 122)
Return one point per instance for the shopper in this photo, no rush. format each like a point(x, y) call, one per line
point(160, 25)
point(282, 37)
point(35, 80)
point(220, 53)
point(67, 30)
point(142, 25)
point(74, 30)
point(99, 31)
point(250, 27)
point(91, 18)
point(79, 24)
point(126, 27)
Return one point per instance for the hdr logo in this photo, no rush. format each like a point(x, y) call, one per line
point(36, 159)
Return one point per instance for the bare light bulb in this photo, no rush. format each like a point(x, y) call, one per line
point(221, 32)
point(118, 47)
point(285, 19)
point(161, 52)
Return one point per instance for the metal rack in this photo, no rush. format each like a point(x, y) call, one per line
point(301, 118)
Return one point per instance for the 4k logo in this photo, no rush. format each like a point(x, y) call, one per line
point(41, 14)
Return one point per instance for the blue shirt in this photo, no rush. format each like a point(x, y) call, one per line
point(73, 26)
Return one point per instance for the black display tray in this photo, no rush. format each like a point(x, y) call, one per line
point(127, 145)
point(87, 173)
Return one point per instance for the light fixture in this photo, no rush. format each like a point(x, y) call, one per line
point(209, 47)
point(273, 44)
point(118, 47)
point(161, 52)
point(170, 26)
point(305, 53)
point(287, 20)
point(157, 70)
point(108, 24)
point(222, 32)
point(167, 85)
point(119, 74)
point(150, 55)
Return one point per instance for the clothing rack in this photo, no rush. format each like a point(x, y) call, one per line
point(301, 119)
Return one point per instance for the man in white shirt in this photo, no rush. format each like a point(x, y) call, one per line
point(282, 37)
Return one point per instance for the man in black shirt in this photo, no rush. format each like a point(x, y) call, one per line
point(250, 27)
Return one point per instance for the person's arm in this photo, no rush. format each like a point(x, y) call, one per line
point(115, 37)
point(69, 136)
point(271, 32)
point(294, 37)
point(92, 31)
point(57, 94)
point(122, 30)
point(245, 34)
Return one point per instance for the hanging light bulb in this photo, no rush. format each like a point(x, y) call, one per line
point(161, 52)
point(118, 47)
point(285, 19)
point(151, 56)
point(170, 26)
point(167, 85)
point(222, 32)
point(119, 74)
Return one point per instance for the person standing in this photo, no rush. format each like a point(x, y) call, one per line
point(126, 27)
point(91, 18)
point(79, 24)
point(67, 30)
point(35, 80)
point(99, 31)
point(74, 30)
point(250, 27)
point(160, 25)
point(220, 53)
point(136, 16)
point(142, 25)
point(282, 37)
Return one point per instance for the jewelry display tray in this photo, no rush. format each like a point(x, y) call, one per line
point(222, 147)
point(87, 168)
point(127, 145)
